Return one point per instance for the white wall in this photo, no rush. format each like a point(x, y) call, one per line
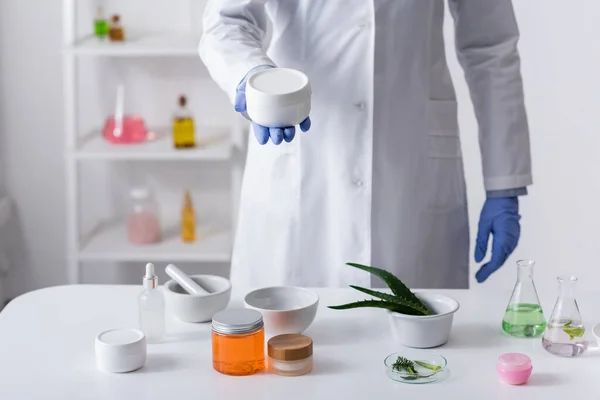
point(31, 140)
point(561, 70)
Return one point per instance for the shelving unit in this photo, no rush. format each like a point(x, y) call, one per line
point(149, 45)
point(107, 241)
point(215, 147)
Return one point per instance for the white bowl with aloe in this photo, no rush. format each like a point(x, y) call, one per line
point(420, 320)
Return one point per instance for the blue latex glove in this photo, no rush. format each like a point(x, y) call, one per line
point(500, 217)
point(263, 133)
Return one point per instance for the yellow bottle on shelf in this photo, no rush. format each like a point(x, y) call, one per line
point(183, 126)
point(188, 219)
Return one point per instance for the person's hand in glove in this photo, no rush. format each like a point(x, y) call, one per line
point(263, 133)
point(499, 217)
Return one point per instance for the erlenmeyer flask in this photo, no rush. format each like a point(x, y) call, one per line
point(565, 331)
point(524, 316)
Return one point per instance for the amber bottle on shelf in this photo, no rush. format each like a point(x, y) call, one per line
point(116, 33)
point(183, 126)
point(188, 219)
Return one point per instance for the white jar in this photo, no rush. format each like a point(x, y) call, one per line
point(278, 97)
point(120, 350)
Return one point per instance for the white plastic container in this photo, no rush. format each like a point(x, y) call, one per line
point(120, 350)
point(278, 97)
point(425, 331)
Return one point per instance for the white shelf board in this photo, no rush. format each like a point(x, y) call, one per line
point(212, 144)
point(109, 243)
point(147, 45)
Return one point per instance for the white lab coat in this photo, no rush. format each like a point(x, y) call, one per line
point(379, 177)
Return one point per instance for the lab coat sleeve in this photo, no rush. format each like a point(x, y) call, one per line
point(486, 43)
point(232, 40)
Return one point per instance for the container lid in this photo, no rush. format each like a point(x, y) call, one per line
point(139, 193)
point(237, 321)
point(121, 341)
point(514, 362)
point(290, 347)
point(278, 87)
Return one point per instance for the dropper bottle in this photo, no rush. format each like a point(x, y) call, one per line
point(152, 307)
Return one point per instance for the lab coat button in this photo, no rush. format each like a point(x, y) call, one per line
point(360, 105)
point(358, 183)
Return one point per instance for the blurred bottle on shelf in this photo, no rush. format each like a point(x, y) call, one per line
point(143, 225)
point(183, 126)
point(116, 33)
point(100, 24)
point(188, 219)
point(124, 129)
point(129, 129)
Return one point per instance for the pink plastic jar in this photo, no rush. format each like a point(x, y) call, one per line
point(143, 226)
point(514, 368)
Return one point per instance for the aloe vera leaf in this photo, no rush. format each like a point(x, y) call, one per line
point(402, 301)
point(377, 304)
point(418, 376)
point(574, 332)
point(427, 365)
point(393, 282)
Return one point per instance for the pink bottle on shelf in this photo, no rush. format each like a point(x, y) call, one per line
point(143, 226)
point(124, 129)
point(514, 368)
point(132, 130)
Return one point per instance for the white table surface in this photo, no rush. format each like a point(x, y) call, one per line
point(47, 352)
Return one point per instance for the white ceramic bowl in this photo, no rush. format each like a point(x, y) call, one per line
point(198, 308)
point(425, 331)
point(285, 309)
point(120, 350)
point(278, 97)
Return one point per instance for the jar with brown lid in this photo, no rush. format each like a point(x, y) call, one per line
point(290, 355)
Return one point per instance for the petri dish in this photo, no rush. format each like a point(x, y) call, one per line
point(423, 374)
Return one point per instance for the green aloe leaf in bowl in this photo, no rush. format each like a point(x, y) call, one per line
point(402, 301)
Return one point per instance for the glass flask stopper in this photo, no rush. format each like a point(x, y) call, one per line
point(524, 317)
point(564, 335)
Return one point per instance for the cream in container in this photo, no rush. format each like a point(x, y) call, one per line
point(514, 368)
point(290, 355)
point(278, 97)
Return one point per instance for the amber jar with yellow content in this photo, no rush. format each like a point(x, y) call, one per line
point(188, 219)
point(238, 342)
point(116, 33)
point(290, 355)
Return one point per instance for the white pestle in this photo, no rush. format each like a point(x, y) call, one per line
point(185, 281)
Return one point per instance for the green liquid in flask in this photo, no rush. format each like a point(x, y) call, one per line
point(101, 28)
point(524, 320)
